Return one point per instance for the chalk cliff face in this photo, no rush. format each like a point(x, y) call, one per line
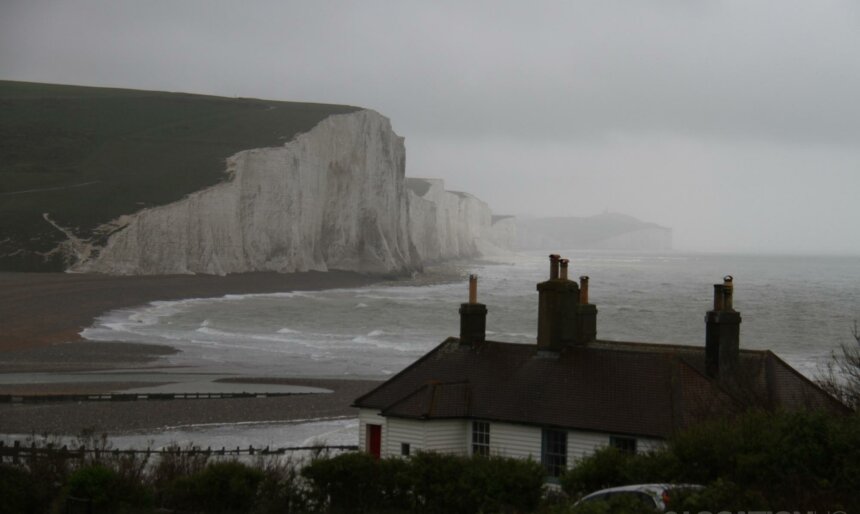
point(334, 197)
point(450, 224)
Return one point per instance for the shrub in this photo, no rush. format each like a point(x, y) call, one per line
point(395, 485)
point(221, 487)
point(281, 490)
point(345, 483)
point(607, 467)
point(721, 495)
point(841, 376)
point(18, 493)
point(358, 482)
point(799, 459)
point(503, 483)
point(106, 491)
point(47, 474)
point(438, 484)
point(175, 462)
point(427, 482)
point(786, 460)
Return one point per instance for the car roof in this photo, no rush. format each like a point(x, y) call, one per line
point(634, 488)
point(654, 489)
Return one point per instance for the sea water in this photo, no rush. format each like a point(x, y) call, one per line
point(800, 307)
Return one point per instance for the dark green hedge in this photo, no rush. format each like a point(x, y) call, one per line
point(428, 482)
point(782, 461)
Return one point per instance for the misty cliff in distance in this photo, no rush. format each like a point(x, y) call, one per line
point(608, 231)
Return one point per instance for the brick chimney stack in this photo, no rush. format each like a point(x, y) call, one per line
point(722, 331)
point(473, 317)
point(558, 299)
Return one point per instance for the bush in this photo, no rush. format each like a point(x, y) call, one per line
point(610, 467)
point(220, 487)
point(504, 484)
point(18, 493)
point(438, 484)
point(449, 483)
point(796, 460)
point(345, 483)
point(841, 376)
point(721, 495)
point(172, 465)
point(281, 490)
point(104, 490)
point(607, 467)
point(428, 482)
point(395, 485)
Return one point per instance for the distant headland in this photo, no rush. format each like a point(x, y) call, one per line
point(607, 231)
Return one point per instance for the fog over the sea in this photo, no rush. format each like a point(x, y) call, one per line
point(737, 123)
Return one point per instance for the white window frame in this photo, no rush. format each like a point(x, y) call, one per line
point(481, 438)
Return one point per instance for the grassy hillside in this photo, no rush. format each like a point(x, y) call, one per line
point(88, 155)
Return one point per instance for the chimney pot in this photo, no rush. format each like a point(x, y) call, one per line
point(473, 289)
point(719, 296)
point(564, 263)
point(553, 266)
point(583, 289)
point(728, 290)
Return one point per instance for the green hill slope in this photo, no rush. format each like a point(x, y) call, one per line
point(87, 155)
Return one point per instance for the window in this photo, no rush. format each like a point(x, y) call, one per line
point(625, 444)
point(554, 451)
point(404, 449)
point(480, 438)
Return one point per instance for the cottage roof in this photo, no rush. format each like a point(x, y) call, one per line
point(625, 388)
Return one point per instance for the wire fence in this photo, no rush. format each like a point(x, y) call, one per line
point(17, 453)
point(126, 397)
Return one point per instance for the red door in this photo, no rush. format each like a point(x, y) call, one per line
point(374, 440)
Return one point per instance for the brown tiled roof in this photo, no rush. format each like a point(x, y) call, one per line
point(626, 388)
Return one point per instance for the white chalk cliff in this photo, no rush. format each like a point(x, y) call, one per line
point(452, 224)
point(332, 198)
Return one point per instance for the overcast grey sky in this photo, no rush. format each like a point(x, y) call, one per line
point(737, 123)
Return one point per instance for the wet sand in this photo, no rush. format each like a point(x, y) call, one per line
point(72, 418)
point(41, 316)
point(40, 309)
